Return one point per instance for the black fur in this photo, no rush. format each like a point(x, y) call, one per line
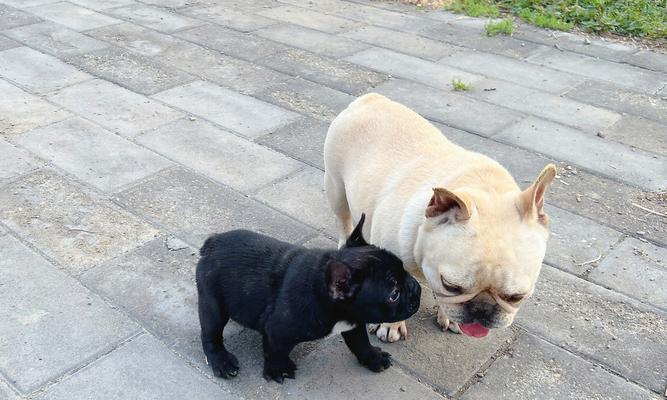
point(291, 294)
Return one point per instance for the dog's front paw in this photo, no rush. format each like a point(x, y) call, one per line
point(376, 360)
point(224, 364)
point(392, 331)
point(279, 371)
point(445, 323)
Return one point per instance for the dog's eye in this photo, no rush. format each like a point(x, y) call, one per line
point(454, 289)
point(394, 296)
point(512, 298)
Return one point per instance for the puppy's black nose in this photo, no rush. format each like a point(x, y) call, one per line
point(415, 291)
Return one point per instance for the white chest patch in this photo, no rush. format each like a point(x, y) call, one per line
point(342, 326)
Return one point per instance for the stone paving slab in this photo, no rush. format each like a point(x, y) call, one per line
point(621, 100)
point(11, 17)
point(37, 72)
point(92, 154)
point(361, 13)
point(548, 106)
point(192, 208)
point(307, 98)
point(512, 70)
point(138, 39)
point(535, 369)
point(618, 74)
point(474, 39)
point(303, 140)
point(637, 269)
point(142, 367)
point(602, 325)
point(55, 39)
point(591, 46)
point(407, 67)
point(137, 73)
point(239, 113)
point(309, 19)
point(80, 325)
point(115, 108)
point(446, 107)
point(75, 228)
point(21, 111)
point(236, 44)
point(311, 40)
point(154, 18)
point(218, 154)
point(636, 168)
point(99, 5)
point(207, 64)
point(225, 16)
point(72, 16)
point(402, 42)
point(15, 161)
point(575, 240)
point(27, 3)
point(305, 203)
point(649, 60)
point(652, 137)
point(336, 74)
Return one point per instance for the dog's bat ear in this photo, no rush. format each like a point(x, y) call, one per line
point(531, 200)
point(444, 200)
point(356, 238)
point(339, 276)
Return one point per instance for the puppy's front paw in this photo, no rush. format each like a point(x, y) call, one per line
point(376, 360)
point(224, 364)
point(279, 371)
point(392, 332)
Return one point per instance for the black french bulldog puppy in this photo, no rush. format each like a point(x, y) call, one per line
point(291, 294)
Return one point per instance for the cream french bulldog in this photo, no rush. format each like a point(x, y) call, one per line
point(456, 218)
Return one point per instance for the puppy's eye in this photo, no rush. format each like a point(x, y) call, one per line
point(454, 289)
point(512, 298)
point(394, 296)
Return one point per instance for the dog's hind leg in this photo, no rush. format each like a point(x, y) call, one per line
point(338, 201)
point(213, 319)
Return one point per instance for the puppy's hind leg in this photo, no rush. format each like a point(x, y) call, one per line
point(338, 201)
point(213, 319)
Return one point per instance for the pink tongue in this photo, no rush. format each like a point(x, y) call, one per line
point(474, 330)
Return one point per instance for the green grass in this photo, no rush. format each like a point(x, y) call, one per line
point(460, 86)
point(645, 18)
point(505, 27)
point(474, 8)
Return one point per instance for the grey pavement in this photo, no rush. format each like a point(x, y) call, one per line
point(132, 129)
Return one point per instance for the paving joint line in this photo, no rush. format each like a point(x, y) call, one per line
point(86, 363)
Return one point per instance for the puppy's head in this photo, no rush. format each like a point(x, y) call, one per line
point(369, 284)
point(481, 251)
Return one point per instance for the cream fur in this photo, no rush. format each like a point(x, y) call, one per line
point(383, 159)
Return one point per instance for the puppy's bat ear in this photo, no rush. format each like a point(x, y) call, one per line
point(356, 238)
point(339, 276)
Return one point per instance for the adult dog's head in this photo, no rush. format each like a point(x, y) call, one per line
point(481, 251)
